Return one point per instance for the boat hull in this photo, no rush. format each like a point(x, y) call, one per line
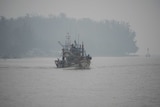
point(83, 64)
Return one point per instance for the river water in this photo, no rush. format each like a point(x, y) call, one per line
point(110, 82)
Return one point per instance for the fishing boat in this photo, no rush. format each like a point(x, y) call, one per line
point(73, 55)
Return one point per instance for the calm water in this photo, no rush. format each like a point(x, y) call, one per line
point(111, 82)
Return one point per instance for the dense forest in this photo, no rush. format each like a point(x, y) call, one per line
point(33, 35)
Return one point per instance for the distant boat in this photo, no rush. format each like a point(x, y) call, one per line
point(73, 55)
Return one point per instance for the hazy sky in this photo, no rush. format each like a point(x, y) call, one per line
point(143, 15)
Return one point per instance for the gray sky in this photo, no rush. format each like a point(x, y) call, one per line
point(143, 15)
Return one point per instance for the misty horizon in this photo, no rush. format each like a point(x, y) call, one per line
point(112, 60)
point(143, 16)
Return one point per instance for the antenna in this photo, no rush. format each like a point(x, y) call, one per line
point(78, 39)
point(68, 41)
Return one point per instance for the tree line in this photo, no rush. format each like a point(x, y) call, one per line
point(32, 35)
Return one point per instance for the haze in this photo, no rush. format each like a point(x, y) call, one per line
point(143, 15)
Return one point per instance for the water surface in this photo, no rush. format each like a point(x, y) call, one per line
point(110, 82)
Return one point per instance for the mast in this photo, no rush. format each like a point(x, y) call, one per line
point(78, 39)
point(68, 41)
point(82, 50)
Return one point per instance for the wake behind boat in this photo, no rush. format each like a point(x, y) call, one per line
point(73, 55)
